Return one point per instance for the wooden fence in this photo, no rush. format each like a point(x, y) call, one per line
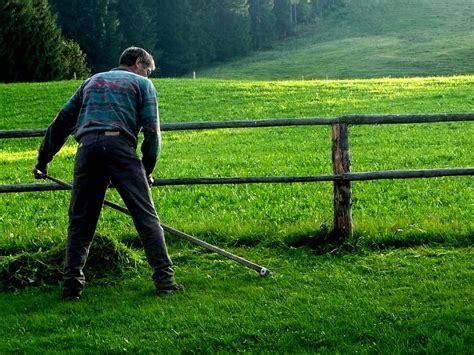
point(342, 175)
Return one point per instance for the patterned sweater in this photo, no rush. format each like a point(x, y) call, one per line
point(117, 100)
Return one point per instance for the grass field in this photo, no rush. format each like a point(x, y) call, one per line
point(406, 287)
point(369, 38)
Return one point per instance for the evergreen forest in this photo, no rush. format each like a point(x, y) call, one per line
point(43, 40)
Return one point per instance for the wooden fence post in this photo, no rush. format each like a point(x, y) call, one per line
point(342, 188)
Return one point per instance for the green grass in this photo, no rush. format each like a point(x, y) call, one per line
point(271, 213)
point(414, 300)
point(35, 105)
point(369, 38)
point(407, 286)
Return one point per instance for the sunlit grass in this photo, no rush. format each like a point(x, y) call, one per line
point(405, 288)
point(210, 100)
point(275, 213)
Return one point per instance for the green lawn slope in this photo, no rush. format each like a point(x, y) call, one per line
point(366, 39)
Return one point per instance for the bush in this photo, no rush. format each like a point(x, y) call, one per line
point(73, 61)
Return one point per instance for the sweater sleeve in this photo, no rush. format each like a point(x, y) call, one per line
point(150, 121)
point(59, 130)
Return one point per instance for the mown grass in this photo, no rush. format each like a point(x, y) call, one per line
point(407, 287)
point(414, 300)
point(369, 38)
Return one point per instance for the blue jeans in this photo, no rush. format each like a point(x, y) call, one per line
point(101, 159)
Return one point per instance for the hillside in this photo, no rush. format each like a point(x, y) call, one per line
point(366, 39)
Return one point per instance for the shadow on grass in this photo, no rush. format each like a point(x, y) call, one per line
point(110, 260)
point(420, 238)
point(324, 241)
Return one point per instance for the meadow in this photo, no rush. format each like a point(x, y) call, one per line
point(368, 39)
point(406, 286)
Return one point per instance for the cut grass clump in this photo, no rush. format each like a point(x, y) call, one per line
point(108, 261)
point(31, 269)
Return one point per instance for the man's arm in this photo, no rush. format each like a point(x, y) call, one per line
point(57, 133)
point(150, 147)
point(149, 118)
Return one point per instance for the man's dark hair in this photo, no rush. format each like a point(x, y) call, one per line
point(131, 54)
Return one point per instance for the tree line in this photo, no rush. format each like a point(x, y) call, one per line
point(58, 39)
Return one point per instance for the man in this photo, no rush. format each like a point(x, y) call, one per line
point(106, 114)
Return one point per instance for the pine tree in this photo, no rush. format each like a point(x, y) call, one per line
point(94, 24)
point(74, 61)
point(262, 23)
point(203, 17)
point(283, 18)
point(30, 42)
point(173, 29)
point(232, 29)
point(136, 24)
point(303, 12)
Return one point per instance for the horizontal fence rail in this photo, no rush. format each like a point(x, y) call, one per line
point(284, 122)
point(364, 176)
point(342, 176)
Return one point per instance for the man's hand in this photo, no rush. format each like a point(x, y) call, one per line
point(40, 174)
point(150, 180)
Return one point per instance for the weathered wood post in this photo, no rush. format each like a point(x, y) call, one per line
point(342, 188)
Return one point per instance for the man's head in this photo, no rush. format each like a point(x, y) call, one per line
point(137, 60)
